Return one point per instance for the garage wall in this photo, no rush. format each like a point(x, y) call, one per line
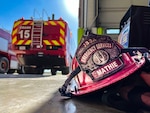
point(104, 13)
point(111, 11)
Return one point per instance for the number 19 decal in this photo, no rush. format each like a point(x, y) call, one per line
point(24, 33)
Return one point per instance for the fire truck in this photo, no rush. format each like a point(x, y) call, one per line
point(42, 44)
point(8, 59)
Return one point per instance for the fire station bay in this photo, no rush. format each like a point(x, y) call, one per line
point(105, 69)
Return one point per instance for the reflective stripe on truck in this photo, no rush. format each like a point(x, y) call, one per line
point(24, 29)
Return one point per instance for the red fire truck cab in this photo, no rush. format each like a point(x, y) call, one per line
point(41, 44)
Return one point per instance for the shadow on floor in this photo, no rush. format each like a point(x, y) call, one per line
point(85, 104)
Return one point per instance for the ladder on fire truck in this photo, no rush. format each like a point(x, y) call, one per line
point(37, 32)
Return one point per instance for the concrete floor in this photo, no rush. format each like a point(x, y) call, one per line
point(37, 94)
point(26, 93)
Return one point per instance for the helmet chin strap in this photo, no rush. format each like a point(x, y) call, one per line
point(62, 90)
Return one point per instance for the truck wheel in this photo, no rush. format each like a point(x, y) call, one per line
point(40, 71)
point(20, 71)
point(53, 71)
point(65, 71)
point(4, 65)
point(26, 70)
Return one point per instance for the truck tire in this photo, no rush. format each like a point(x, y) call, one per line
point(20, 71)
point(4, 65)
point(65, 71)
point(37, 71)
point(53, 71)
point(40, 71)
point(31, 70)
point(26, 70)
